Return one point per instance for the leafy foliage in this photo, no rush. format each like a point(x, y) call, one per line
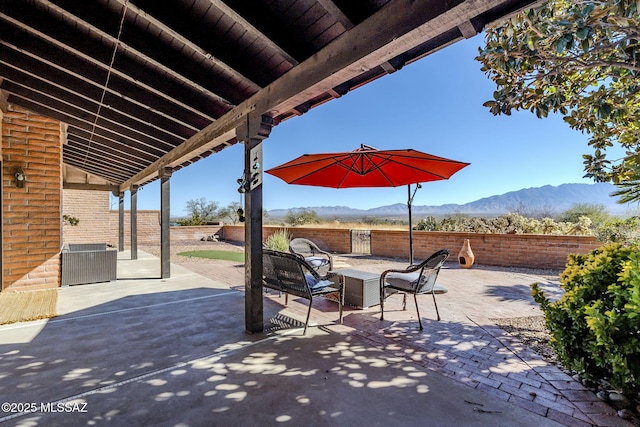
point(200, 211)
point(595, 325)
point(302, 217)
point(70, 220)
point(511, 223)
point(597, 213)
point(230, 212)
point(278, 241)
point(580, 59)
point(620, 230)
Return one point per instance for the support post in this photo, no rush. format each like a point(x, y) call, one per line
point(134, 221)
point(2, 109)
point(120, 222)
point(165, 214)
point(252, 132)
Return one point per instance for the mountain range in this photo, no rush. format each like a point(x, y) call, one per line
point(548, 199)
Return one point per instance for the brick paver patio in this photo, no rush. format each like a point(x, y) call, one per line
point(465, 345)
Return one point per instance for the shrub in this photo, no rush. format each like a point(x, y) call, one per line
point(278, 241)
point(620, 230)
point(507, 223)
point(595, 325)
point(302, 217)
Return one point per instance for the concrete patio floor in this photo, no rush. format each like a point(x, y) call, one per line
point(146, 351)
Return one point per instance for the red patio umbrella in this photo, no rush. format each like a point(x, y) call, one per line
point(368, 167)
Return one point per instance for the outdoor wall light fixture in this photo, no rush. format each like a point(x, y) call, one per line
point(242, 182)
point(21, 178)
point(240, 213)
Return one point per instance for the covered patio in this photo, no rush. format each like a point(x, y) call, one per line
point(140, 89)
point(172, 352)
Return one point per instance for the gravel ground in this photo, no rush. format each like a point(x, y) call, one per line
point(532, 332)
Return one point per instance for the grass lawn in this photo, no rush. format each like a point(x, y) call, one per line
point(209, 254)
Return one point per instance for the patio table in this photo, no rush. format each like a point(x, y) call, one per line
point(361, 288)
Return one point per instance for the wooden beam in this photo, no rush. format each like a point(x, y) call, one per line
point(90, 187)
point(4, 96)
point(394, 29)
point(467, 29)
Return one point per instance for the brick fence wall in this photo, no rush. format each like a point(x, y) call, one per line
point(149, 229)
point(32, 230)
point(508, 250)
point(335, 240)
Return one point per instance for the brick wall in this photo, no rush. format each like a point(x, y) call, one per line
point(31, 215)
point(335, 240)
point(148, 228)
point(92, 209)
point(517, 250)
point(194, 232)
point(508, 250)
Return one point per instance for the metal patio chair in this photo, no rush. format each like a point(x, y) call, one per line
point(322, 261)
point(415, 279)
point(289, 273)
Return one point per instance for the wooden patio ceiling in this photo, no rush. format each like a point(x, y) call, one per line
point(148, 84)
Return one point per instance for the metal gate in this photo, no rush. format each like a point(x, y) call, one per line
point(361, 242)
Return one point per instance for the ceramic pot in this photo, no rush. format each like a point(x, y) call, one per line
point(465, 257)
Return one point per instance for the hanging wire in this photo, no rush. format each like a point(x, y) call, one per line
point(106, 83)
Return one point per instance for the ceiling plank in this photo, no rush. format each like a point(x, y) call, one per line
point(253, 31)
point(337, 13)
point(48, 42)
point(203, 54)
point(122, 46)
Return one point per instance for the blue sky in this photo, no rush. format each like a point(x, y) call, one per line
point(433, 105)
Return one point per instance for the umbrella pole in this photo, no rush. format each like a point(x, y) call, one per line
point(409, 203)
point(410, 225)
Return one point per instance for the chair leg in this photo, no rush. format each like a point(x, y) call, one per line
point(382, 303)
point(341, 303)
point(415, 298)
point(404, 301)
point(306, 323)
point(436, 304)
point(286, 299)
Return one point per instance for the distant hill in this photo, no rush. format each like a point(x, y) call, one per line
point(549, 199)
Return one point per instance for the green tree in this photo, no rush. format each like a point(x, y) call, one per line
point(596, 212)
point(580, 59)
point(302, 217)
point(200, 211)
point(230, 212)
